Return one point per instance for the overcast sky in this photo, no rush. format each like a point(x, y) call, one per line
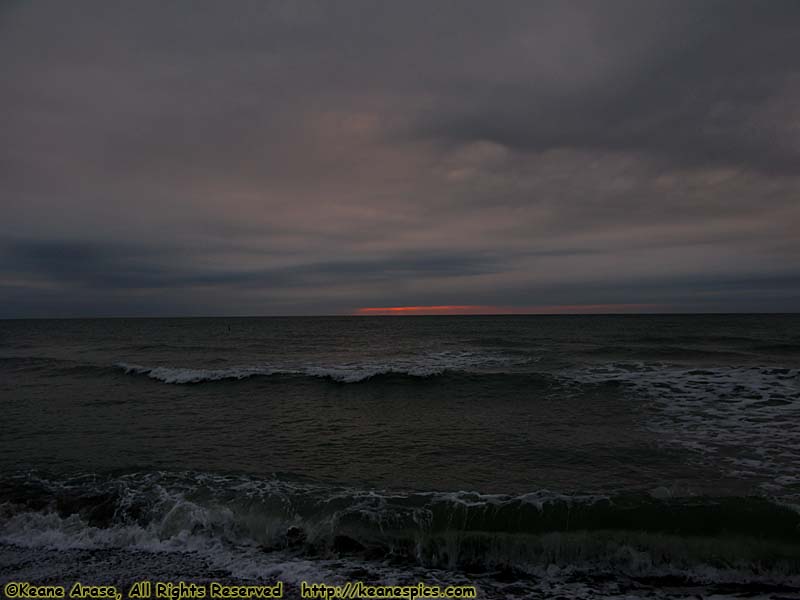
point(259, 158)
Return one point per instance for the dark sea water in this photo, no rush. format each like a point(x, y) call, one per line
point(574, 457)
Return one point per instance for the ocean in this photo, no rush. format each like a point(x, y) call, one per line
point(637, 456)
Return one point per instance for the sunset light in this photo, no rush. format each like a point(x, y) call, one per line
point(470, 309)
point(463, 309)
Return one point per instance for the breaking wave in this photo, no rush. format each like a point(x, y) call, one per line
point(424, 366)
point(223, 517)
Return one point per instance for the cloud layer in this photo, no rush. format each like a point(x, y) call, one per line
point(317, 158)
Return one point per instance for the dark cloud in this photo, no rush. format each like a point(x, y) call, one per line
point(127, 266)
point(314, 157)
point(702, 98)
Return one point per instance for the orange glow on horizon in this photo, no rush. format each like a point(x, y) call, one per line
point(470, 309)
point(447, 309)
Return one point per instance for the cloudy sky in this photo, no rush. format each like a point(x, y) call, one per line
point(258, 158)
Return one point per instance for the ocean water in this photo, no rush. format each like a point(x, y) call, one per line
point(532, 457)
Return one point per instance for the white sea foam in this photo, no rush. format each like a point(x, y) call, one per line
point(181, 375)
point(234, 524)
point(40, 533)
point(424, 365)
point(744, 418)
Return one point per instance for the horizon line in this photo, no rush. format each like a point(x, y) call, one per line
point(354, 316)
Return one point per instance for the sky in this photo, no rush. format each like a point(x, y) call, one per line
point(297, 158)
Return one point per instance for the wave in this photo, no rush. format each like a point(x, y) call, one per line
point(175, 375)
point(425, 366)
point(179, 375)
point(744, 418)
point(421, 366)
point(232, 514)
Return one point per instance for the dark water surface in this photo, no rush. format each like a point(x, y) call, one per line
point(532, 456)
